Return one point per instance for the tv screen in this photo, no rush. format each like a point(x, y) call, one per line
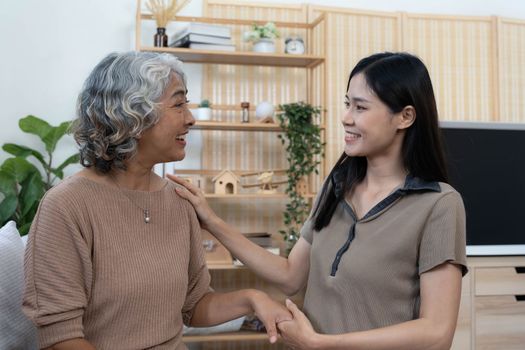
point(486, 164)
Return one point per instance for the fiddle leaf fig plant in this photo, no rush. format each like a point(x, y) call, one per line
point(302, 139)
point(22, 184)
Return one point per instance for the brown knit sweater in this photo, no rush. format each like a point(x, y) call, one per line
point(95, 269)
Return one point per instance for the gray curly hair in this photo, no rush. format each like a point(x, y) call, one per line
point(118, 102)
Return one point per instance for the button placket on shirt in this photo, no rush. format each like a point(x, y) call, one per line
point(376, 210)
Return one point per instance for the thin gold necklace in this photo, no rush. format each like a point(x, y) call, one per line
point(145, 211)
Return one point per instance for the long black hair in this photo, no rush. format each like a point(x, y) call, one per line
point(398, 80)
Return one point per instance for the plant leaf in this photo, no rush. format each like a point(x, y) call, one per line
point(23, 151)
point(32, 190)
point(7, 208)
point(75, 158)
point(7, 183)
point(54, 135)
point(24, 229)
point(35, 126)
point(18, 168)
point(58, 173)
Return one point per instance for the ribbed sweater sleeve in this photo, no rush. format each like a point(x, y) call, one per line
point(57, 271)
point(198, 275)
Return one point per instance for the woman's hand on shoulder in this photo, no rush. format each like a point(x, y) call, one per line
point(269, 312)
point(196, 197)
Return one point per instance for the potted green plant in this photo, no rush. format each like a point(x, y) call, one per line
point(263, 37)
point(304, 147)
point(22, 184)
point(204, 110)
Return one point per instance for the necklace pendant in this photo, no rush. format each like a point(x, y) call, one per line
point(146, 216)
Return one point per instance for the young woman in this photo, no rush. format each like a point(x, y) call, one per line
point(114, 260)
point(383, 252)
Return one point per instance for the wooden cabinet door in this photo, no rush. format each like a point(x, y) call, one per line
point(500, 323)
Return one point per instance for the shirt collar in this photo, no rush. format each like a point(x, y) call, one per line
point(412, 184)
point(416, 184)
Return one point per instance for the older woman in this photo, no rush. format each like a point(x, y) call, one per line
point(114, 260)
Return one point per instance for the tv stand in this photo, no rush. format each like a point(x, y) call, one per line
point(492, 311)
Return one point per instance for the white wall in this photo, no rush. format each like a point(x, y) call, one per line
point(48, 47)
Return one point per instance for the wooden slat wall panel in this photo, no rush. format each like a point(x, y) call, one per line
point(512, 70)
point(458, 55)
point(350, 36)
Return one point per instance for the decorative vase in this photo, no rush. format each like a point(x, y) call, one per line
point(160, 39)
point(204, 113)
point(264, 45)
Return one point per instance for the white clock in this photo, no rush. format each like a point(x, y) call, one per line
point(294, 45)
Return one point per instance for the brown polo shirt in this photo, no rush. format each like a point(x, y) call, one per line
point(364, 274)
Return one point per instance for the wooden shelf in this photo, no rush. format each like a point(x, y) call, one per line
point(230, 336)
point(232, 21)
point(211, 125)
point(239, 172)
point(214, 125)
point(212, 266)
point(240, 57)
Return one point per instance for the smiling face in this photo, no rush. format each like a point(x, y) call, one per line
point(371, 129)
point(166, 140)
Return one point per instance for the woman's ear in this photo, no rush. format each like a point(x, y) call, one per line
point(407, 117)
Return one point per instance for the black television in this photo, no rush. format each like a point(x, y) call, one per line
point(486, 164)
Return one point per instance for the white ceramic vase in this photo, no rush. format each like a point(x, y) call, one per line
point(204, 113)
point(264, 46)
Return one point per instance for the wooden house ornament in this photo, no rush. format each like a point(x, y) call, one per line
point(226, 182)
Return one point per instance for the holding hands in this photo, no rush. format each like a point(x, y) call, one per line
point(271, 313)
point(297, 333)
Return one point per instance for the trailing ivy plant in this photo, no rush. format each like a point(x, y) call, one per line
point(22, 184)
point(302, 139)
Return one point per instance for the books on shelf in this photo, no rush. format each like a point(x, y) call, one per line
point(202, 36)
point(211, 47)
point(203, 29)
point(186, 40)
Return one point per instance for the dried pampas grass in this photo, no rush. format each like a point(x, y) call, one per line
point(164, 10)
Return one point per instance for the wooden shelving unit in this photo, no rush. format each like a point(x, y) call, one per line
point(308, 62)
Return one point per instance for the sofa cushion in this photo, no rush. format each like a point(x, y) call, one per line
point(16, 330)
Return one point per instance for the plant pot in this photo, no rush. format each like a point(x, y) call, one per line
point(264, 45)
point(204, 113)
